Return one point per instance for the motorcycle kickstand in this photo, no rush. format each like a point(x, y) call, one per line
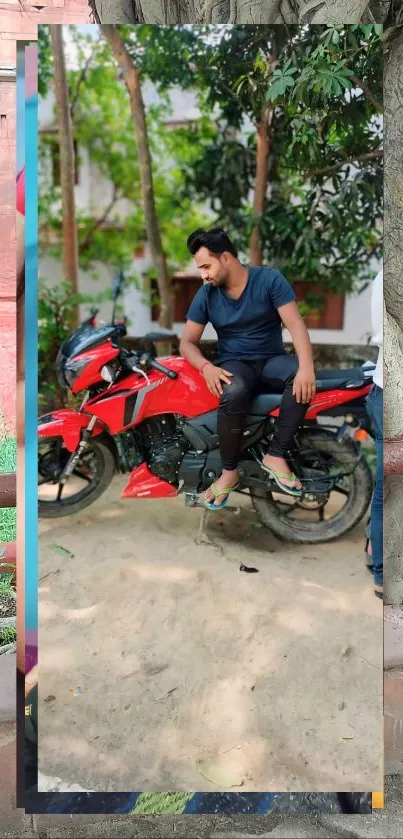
point(202, 537)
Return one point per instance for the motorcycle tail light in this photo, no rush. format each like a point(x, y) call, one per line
point(361, 435)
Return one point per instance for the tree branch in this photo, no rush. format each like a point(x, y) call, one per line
point(91, 230)
point(370, 155)
point(81, 78)
point(368, 92)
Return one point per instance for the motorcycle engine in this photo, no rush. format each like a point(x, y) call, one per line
point(165, 446)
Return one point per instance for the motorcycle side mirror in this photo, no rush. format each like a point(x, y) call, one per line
point(117, 285)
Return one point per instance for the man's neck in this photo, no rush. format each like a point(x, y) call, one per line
point(238, 278)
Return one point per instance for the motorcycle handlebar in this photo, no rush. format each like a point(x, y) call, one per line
point(161, 369)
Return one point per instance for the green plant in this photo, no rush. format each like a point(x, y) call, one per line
point(8, 463)
point(7, 635)
point(6, 581)
point(55, 312)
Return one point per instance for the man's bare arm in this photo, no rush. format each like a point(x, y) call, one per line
point(293, 321)
point(190, 340)
point(304, 383)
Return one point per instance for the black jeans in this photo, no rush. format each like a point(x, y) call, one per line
point(276, 374)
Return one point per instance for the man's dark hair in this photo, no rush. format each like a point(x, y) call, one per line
point(215, 240)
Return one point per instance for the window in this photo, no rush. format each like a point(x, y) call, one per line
point(55, 151)
point(184, 290)
point(330, 315)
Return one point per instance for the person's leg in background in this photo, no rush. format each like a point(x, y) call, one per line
point(375, 411)
point(278, 374)
point(233, 408)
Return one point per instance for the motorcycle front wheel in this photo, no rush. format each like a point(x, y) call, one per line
point(296, 520)
point(91, 477)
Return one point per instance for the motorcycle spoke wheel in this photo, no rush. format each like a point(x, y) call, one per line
point(52, 460)
point(333, 513)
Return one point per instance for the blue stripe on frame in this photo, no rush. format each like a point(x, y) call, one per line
point(31, 352)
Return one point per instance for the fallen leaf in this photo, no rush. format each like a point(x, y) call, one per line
point(166, 695)
point(58, 549)
point(219, 776)
point(50, 698)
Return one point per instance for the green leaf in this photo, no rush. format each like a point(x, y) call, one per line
point(60, 551)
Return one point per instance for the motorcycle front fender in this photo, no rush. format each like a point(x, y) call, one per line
point(67, 424)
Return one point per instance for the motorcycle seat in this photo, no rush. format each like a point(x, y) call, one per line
point(160, 335)
point(341, 379)
point(354, 378)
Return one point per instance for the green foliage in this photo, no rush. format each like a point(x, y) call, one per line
point(103, 129)
point(8, 463)
point(45, 61)
point(56, 310)
point(322, 218)
point(8, 634)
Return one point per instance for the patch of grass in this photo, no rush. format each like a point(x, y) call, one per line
point(8, 635)
point(8, 454)
point(164, 803)
point(7, 596)
point(8, 463)
point(6, 585)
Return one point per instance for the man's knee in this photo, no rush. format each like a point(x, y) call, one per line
point(235, 397)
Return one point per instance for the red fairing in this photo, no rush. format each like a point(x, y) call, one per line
point(68, 425)
point(323, 402)
point(187, 395)
point(143, 484)
point(95, 358)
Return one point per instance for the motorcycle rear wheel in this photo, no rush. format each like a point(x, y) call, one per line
point(290, 521)
point(97, 470)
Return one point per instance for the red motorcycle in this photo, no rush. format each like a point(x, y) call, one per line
point(157, 422)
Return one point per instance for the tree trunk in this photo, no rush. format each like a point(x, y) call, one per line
point(133, 84)
point(109, 11)
point(393, 323)
point(70, 245)
point(239, 11)
point(261, 182)
point(332, 11)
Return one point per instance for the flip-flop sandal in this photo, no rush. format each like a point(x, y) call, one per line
point(278, 477)
point(217, 492)
point(378, 591)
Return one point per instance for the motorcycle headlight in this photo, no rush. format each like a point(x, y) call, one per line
point(73, 368)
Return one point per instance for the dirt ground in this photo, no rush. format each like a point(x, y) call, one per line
point(163, 667)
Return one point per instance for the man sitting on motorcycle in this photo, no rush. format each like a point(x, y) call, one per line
point(247, 306)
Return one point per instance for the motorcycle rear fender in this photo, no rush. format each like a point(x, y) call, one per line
point(67, 424)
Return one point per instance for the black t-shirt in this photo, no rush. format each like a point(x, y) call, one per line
point(250, 327)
